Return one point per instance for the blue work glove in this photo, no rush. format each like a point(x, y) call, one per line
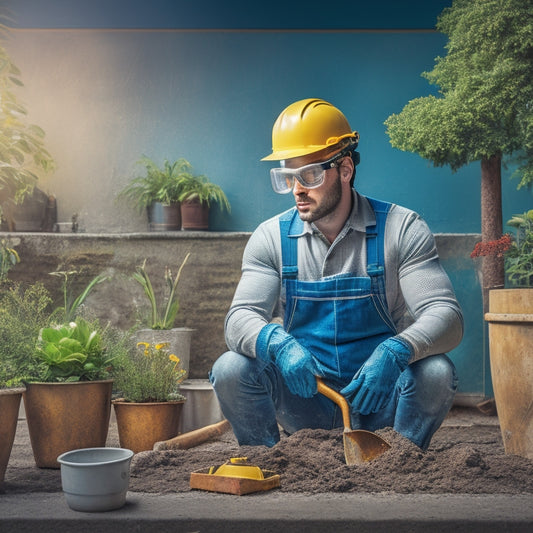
point(296, 364)
point(371, 388)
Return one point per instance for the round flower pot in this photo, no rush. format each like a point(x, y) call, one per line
point(510, 319)
point(163, 217)
point(179, 341)
point(141, 425)
point(95, 479)
point(66, 416)
point(194, 216)
point(9, 411)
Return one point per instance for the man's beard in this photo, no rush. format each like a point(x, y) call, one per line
point(328, 204)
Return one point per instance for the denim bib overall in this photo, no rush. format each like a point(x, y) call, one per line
point(341, 319)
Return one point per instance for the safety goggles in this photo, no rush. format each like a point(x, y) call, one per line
point(309, 176)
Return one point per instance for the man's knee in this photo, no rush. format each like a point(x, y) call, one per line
point(435, 376)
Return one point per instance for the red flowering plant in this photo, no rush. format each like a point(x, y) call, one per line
point(517, 251)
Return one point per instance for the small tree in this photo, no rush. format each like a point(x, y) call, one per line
point(22, 151)
point(486, 108)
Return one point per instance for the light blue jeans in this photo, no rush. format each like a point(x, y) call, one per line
point(254, 398)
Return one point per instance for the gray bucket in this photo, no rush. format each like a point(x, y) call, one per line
point(95, 479)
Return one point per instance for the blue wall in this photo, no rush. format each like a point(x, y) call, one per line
point(207, 81)
point(111, 80)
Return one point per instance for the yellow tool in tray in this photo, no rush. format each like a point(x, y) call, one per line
point(235, 476)
point(238, 467)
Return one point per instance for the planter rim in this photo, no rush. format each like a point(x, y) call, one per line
point(69, 382)
point(11, 390)
point(63, 458)
point(509, 317)
point(120, 401)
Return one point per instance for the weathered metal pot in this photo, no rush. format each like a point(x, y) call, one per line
point(66, 416)
point(141, 425)
point(9, 411)
point(510, 319)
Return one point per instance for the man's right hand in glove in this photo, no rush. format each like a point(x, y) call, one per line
point(295, 362)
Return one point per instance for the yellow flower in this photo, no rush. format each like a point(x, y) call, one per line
point(174, 358)
point(160, 345)
point(146, 347)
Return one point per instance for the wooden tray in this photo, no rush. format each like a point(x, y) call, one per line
point(233, 485)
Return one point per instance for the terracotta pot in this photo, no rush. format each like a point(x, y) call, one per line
point(510, 321)
point(9, 411)
point(66, 416)
point(141, 425)
point(194, 216)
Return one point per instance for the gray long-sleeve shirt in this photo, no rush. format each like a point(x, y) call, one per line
point(419, 294)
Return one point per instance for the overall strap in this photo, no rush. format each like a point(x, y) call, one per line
point(375, 238)
point(290, 225)
point(375, 253)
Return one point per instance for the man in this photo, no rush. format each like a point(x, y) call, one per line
point(364, 300)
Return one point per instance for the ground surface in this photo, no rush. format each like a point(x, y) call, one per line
point(466, 456)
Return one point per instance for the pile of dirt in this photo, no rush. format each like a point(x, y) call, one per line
point(461, 459)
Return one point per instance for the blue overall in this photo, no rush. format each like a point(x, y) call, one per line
point(341, 320)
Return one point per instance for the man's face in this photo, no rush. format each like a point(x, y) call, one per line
point(317, 203)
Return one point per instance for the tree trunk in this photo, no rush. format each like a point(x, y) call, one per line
point(491, 223)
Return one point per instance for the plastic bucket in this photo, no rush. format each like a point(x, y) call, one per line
point(95, 479)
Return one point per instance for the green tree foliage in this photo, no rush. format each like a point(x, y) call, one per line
point(22, 151)
point(485, 107)
point(486, 83)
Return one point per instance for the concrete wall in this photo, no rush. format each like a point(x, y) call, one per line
point(208, 283)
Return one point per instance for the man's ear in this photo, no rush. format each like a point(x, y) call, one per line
point(346, 169)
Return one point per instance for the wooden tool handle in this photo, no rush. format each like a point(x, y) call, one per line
point(193, 438)
point(339, 399)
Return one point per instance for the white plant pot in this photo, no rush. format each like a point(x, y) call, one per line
point(95, 479)
point(179, 340)
point(201, 408)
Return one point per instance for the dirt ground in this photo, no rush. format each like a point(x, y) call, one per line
point(464, 457)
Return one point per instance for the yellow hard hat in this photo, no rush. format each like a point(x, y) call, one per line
point(306, 127)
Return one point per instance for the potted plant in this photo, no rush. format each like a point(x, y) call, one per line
point(22, 149)
point(161, 318)
point(23, 311)
point(196, 197)
point(157, 191)
point(68, 396)
point(150, 404)
point(510, 320)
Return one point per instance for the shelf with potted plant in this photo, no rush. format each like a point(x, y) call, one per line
point(149, 406)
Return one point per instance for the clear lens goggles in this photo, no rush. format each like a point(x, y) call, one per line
point(309, 176)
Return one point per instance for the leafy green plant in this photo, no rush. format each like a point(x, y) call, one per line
point(22, 150)
point(71, 304)
point(483, 111)
point(161, 316)
point(72, 352)
point(8, 258)
point(200, 189)
point(24, 310)
point(157, 184)
point(519, 257)
point(149, 374)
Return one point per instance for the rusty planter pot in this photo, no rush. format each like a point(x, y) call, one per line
point(9, 411)
point(510, 321)
point(141, 425)
point(194, 216)
point(66, 416)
